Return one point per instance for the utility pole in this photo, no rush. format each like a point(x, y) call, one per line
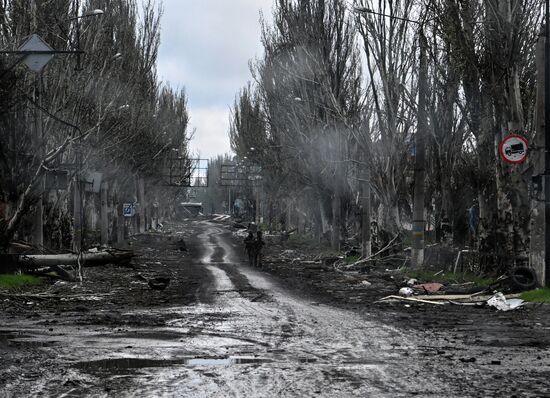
point(419, 222)
point(366, 238)
point(38, 231)
point(417, 254)
point(547, 145)
point(78, 219)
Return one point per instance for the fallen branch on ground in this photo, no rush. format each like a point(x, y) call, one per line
point(372, 257)
point(31, 261)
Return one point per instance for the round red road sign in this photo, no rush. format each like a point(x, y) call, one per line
point(513, 149)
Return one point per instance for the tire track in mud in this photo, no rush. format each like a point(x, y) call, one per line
point(300, 349)
point(346, 352)
point(221, 260)
point(347, 349)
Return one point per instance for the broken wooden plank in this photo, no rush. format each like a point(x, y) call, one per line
point(470, 297)
point(413, 299)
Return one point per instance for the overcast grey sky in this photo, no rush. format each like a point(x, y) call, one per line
point(205, 47)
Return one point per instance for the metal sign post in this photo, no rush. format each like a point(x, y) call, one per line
point(513, 149)
point(35, 53)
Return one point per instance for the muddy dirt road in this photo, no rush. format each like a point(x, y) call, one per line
point(223, 329)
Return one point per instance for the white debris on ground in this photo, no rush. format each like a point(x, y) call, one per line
point(502, 304)
point(221, 217)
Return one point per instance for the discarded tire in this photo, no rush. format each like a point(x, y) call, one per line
point(523, 278)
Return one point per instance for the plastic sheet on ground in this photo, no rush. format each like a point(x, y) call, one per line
point(502, 304)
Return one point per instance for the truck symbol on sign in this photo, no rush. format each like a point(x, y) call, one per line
point(515, 149)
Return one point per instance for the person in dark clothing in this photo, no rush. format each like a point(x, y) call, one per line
point(249, 247)
point(258, 244)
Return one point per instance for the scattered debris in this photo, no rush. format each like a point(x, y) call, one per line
point(55, 272)
point(412, 282)
point(374, 257)
point(180, 244)
point(429, 287)
point(523, 278)
point(500, 302)
point(221, 218)
point(406, 292)
point(159, 283)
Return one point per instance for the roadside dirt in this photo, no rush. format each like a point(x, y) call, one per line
point(497, 353)
point(222, 328)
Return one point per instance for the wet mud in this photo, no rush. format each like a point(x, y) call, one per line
point(224, 329)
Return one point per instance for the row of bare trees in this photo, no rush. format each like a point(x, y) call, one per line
point(102, 115)
point(337, 102)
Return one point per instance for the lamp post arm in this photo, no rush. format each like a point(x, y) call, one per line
point(369, 11)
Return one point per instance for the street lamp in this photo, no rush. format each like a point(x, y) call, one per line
point(92, 13)
point(417, 253)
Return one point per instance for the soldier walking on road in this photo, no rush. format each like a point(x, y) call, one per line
point(258, 244)
point(249, 247)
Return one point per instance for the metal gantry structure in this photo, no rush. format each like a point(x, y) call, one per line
point(181, 171)
point(240, 175)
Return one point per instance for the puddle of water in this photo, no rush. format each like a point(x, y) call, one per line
point(16, 339)
point(113, 364)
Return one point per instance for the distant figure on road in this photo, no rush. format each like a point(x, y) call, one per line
point(258, 244)
point(249, 247)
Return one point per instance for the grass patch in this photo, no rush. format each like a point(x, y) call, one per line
point(352, 259)
point(447, 277)
point(537, 295)
point(301, 241)
point(10, 281)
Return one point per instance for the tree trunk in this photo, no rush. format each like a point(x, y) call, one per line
point(104, 217)
point(336, 220)
point(141, 219)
